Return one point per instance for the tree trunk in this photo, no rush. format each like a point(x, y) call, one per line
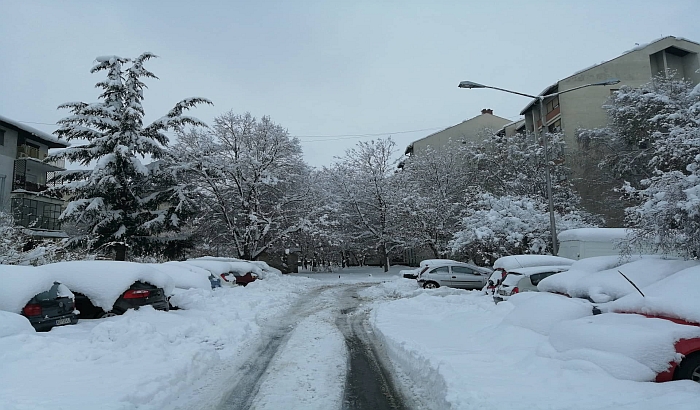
point(120, 252)
point(385, 257)
point(434, 248)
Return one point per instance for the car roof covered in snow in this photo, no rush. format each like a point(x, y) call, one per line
point(18, 284)
point(229, 264)
point(433, 262)
point(677, 296)
point(527, 261)
point(185, 276)
point(103, 282)
point(603, 283)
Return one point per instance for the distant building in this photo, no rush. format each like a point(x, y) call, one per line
point(471, 130)
point(582, 109)
point(24, 176)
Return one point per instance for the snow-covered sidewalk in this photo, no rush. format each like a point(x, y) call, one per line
point(464, 352)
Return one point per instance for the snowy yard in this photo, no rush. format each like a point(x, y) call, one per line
point(279, 343)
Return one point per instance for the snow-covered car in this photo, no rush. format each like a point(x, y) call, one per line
point(507, 263)
point(110, 288)
point(231, 271)
point(186, 276)
point(524, 280)
point(33, 294)
point(453, 274)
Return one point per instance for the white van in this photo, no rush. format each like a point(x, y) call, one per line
point(587, 242)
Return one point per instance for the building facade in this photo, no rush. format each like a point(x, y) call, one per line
point(582, 109)
point(24, 176)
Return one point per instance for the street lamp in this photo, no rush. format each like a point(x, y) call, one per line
point(541, 98)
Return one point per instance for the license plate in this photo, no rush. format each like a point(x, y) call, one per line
point(63, 321)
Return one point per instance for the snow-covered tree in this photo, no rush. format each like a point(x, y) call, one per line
point(366, 195)
point(120, 202)
point(251, 183)
point(653, 141)
point(495, 226)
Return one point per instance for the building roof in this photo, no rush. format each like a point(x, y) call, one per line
point(50, 140)
point(636, 48)
point(457, 125)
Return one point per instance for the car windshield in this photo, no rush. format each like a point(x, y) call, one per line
point(50, 294)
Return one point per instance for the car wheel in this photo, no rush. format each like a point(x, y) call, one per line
point(689, 369)
point(106, 314)
point(431, 285)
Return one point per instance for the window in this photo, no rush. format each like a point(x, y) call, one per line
point(2, 137)
point(552, 104)
point(441, 269)
point(536, 278)
point(462, 269)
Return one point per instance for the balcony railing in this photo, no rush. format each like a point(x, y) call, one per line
point(24, 151)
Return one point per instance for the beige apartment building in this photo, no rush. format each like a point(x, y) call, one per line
point(582, 108)
point(472, 130)
point(24, 177)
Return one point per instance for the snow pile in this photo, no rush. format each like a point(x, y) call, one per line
point(677, 296)
point(184, 276)
point(18, 284)
point(628, 347)
point(584, 281)
point(267, 270)
point(146, 359)
point(402, 288)
point(525, 261)
point(216, 267)
point(14, 324)
point(237, 266)
point(540, 312)
point(103, 282)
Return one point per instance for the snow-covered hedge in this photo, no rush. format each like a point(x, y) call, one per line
point(18, 284)
point(103, 282)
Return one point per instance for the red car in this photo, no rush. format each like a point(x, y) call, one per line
point(689, 367)
point(238, 278)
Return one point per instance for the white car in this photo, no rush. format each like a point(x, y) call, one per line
point(505, 264)
point(524, 280)
point(453, 274)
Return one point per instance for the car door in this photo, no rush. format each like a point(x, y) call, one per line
point(441, 275)
point(464, 277)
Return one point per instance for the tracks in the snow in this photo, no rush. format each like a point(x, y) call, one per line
point(368, 384)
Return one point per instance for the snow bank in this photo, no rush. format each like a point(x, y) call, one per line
point(184, 276)
point(267, 270)
point(677, 296)
point(14, 324)
point(215, 267)
point(146, 359)
point(237, 266)
point(540, 312)
point(18, 284)
point(105, 281)
point(583, 281)
point(525, 261)
point(628, 347)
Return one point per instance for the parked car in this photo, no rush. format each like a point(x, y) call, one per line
point(232, 271)
point(424, 264)
point(453, 274)
point(507, 263)
point(110, 288)
point(524, 280)
point(31, 293)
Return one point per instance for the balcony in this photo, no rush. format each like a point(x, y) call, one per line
point(553, 114)
point(25, 152)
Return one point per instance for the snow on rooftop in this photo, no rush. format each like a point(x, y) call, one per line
point(54, 141)
point(18, 284)
point(103, 282)
point(594, 234)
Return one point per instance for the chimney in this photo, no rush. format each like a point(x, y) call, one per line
point(487, 111)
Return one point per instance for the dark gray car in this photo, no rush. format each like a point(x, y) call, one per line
point(51, 308)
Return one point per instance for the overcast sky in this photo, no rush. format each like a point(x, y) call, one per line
point(325, 70)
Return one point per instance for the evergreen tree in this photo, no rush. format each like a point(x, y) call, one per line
point(121, 203)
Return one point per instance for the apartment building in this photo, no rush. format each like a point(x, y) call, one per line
point(582, 108)
point(472, 130)
point(24, 177)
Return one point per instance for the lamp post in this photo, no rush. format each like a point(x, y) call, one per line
point(543, 134)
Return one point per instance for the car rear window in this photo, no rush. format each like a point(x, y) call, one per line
point(512, 279)
point(50, 294)
point(536, 278)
